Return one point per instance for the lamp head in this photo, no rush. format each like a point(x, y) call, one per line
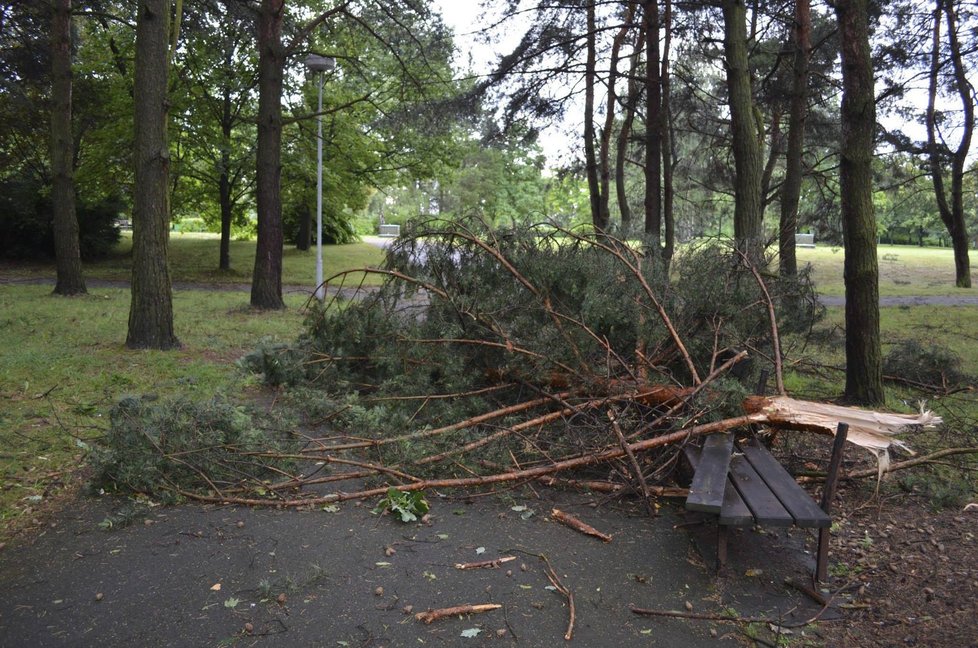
point(317, 63)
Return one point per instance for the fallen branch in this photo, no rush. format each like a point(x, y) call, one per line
point(699, 616)
point(518, 475)
point(569, 520)
point(773, 318)
point(568, 594)
point(634, 463)
point(461, 425)
point(485, 564)
point(433, 615)
point(900, 465)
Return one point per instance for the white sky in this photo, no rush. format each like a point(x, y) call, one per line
point(467, 17)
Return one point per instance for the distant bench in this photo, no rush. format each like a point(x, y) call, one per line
point(750, 486)
point(390, 230)
point(805, 240)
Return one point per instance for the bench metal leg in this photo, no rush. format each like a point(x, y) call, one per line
point(828, 494)
point(721, 547)
point(822, 559)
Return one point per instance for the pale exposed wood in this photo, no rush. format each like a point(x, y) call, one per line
point(433, 615)
point(569, 520)
point(485, 564)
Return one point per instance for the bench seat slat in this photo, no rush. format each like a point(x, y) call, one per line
point(760, 500)
point(733, 511)
point(706, 491)
point(793, 497)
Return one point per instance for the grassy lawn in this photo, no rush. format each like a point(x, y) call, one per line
point(904, 270)
point(194, 258)
point(64, 364)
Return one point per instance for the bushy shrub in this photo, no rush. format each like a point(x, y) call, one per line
point(157, 448)
point(26, 223)
point(926, 364)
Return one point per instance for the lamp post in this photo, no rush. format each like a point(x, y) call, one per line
point(321, 64)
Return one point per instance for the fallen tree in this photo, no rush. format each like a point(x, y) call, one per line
point(491, 358)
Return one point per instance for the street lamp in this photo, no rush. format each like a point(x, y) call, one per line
point(321, 64)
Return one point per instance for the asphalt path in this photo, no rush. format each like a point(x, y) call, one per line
point(232, 576)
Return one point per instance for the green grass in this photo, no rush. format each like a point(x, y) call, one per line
point(951, 326)
point(904, 270)
point(64, 364)
point(818, 375)
point(194, 257)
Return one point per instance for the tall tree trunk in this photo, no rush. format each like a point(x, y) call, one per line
point(653, 129)
point(151, 308)
point(952, 212)
point(624, 135)
point(224, 181)
point(304, 238)
point(665, 121)
point(864, 381)
point(745, 133)
point(266, 282)
point(224, 196)
point(798, 112)
point(590, 157)
point(66, 247)
point(604, 152)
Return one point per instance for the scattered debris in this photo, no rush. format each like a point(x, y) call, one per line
point(485, 564)
point(434, 615)
point(569, 520)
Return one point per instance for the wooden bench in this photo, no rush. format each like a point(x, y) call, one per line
point(743, 485)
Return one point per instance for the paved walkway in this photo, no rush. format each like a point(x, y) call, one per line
point(231, 576)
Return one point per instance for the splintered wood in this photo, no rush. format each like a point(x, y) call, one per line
point(574, 523)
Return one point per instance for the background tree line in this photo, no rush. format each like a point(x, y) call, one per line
point(693, 119)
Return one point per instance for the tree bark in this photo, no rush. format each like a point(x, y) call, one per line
point(224, 181)
point(227, 212)
point(590, 156)
point(864, 377)
point(653, 129)
point(604, 152)
point(266, 283)
point(66, 246)
point(624, 135)
point(798, 112)
point(952, 212)
point(744, 131)
point(665, 133)
point(304, 238)
point(151, 308)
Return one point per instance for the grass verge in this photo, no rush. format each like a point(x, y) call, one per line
point(64, 364)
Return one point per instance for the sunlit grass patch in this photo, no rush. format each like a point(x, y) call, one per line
point(904, 270)
point(193, 258)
